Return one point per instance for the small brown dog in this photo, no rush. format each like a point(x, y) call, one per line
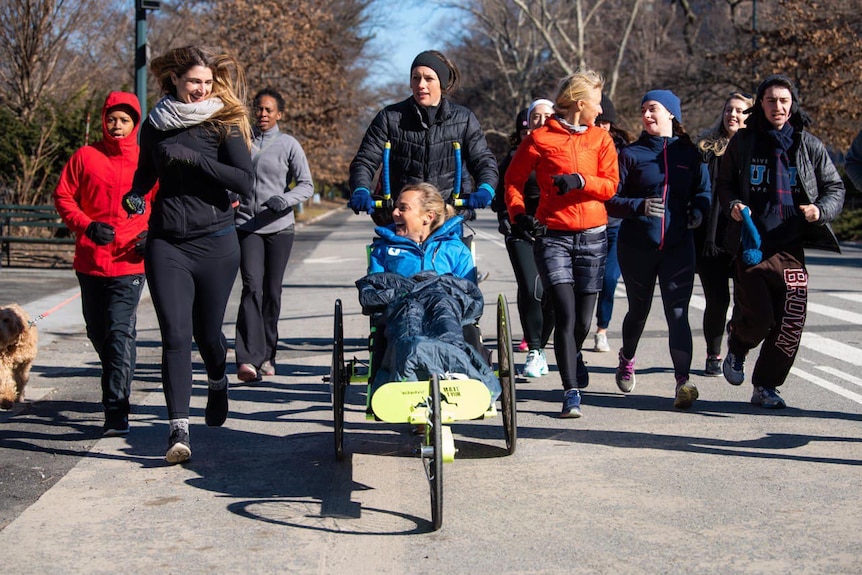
point(17, 351)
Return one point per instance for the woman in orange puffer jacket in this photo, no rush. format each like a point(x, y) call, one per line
point(576, 170)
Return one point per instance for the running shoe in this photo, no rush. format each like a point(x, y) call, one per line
point(713, 366)
point(686, 393)
point(571, 404)
point(734, 368)
point(767, 397)
point(601, 342)
point(536, 364)
point(179, 449)
point(625, 375)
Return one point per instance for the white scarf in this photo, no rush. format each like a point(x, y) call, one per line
point(170, 114)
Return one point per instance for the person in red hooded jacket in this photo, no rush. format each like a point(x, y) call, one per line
point(108, 248)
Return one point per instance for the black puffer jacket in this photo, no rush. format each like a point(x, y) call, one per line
point(424, 320)
point(423, 153)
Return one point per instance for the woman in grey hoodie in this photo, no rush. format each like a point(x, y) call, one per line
point(265, 224)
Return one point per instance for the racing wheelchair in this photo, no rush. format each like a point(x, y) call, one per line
point(435, 403)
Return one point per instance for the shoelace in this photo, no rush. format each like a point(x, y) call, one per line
point(627, 367)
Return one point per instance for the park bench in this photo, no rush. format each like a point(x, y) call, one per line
point(26, 224)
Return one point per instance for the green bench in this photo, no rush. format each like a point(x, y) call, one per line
point(26, 224)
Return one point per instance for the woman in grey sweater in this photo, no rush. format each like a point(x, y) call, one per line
point(265, 223)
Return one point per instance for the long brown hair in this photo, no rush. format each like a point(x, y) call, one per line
point(714, 141)
point(229, 83)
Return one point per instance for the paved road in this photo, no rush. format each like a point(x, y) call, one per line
point(633, 487)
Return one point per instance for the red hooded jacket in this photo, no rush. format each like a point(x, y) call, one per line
point(91, 188)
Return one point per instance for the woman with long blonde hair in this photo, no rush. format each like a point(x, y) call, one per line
point(196, 145)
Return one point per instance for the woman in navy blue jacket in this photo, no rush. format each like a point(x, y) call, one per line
point(664, 192)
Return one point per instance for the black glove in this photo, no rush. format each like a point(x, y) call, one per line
point(565, 183)
point(528, 226)
point(141, 244)
point(134, 204)
point(101, 233)
point(175, 153)
point(653, 207)
point(504, 227)
point(276, 203)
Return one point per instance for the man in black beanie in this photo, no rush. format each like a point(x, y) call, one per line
point(783, 175)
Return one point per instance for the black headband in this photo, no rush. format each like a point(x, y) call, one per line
point(435, 63)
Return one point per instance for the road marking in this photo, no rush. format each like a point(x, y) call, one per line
point(328, 260)
point(840, 374)
point(835, 313)
point(811, 378)
point(832, 348)
point(855, 297)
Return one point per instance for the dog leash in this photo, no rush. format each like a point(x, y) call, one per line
point(42, 316)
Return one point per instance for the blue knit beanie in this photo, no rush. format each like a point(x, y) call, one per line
point(667, 99)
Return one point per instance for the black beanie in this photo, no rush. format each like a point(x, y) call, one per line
point(522, 121)
point(609, 113)
point(431, 60)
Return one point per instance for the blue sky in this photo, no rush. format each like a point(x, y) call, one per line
point(405, 29)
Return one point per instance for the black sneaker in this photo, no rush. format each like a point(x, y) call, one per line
point(582, 376)
point(713, 366)
point(216, 411)
point(116, 426)
point(179, 447)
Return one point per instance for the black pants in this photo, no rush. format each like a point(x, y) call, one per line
point(264, 259)
point(674, 268)
point(535, 310)
point(190, 283)
point(715, 274)
point(771, 301)
point(110, 306)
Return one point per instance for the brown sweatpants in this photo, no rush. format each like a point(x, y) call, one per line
point(770, 301)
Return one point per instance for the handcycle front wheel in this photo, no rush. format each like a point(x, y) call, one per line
point(506, 374)
point(337, 380)
point(432, 453)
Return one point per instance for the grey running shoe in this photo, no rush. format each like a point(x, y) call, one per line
point(734, 369)
point(713, 366)
point(767, 397)
point(625, 375)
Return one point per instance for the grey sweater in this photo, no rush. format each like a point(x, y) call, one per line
point(278, 162)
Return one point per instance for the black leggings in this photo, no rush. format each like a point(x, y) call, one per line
point(190, 283)
point(715, 274)
point(674, 268)
point(535, 309)
point(573, 313)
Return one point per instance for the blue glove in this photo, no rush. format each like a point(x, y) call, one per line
point(361, 201)
point(479, 199)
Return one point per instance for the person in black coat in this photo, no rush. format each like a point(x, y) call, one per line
point(196, 144)
point(779, 177)
point(423, 131)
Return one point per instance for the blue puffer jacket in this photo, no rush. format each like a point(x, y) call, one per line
point(655, 166)
point(443, 251)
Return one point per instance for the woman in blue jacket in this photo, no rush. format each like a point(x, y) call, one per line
point(664, 193)
point(421, 238)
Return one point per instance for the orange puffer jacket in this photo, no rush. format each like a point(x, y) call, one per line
point(553, 150)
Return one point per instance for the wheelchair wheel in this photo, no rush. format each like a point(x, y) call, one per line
point(434, 454)
point(337, 380)
point(507, 374)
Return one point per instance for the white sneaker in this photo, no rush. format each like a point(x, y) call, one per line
point(601, 340)
point(536, 364)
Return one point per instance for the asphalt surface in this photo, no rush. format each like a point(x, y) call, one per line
point(634, 486)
